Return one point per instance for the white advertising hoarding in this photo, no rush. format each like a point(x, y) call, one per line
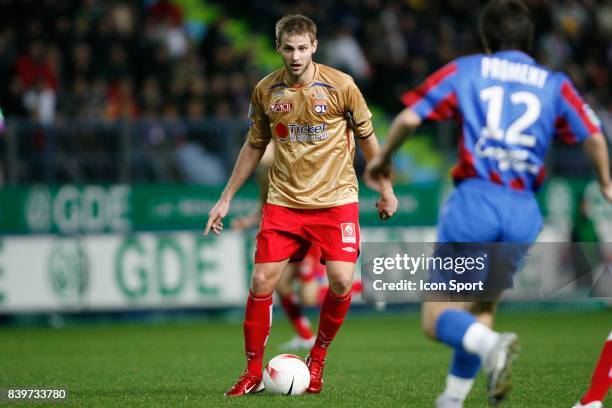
point(104, 272)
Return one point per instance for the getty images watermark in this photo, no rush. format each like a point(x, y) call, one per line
point(411, 265)
point(406, 272)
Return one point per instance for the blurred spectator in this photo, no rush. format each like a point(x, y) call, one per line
point(35, 66)
point(117, 64)
point(40, 100)
point(342, 51)
point(196, 165)
point(116, 59)
point(151, 96)
point(121, 100)
point(163, 9)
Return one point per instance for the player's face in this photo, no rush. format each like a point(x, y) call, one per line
point(296, 51)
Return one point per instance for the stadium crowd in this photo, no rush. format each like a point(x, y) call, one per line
point(113, 60)
point(392, 45)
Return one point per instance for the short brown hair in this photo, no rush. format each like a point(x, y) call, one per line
point(506, 25)
point(295, 24)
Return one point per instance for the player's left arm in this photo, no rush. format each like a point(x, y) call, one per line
point(379, 168)
point(387, 205)
point(359, 120)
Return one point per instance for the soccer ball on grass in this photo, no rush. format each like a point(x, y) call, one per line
point(286, 374)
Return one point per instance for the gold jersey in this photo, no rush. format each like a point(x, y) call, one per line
point(313, 128)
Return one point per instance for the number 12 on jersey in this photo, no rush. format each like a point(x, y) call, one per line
point(513, 135)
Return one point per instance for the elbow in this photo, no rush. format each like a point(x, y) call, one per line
point(597, 141)
point(409, 120)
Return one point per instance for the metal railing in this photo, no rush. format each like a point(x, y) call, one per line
point(83, 151)
point(86, 151)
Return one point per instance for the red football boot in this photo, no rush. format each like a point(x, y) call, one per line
point(246, 384)
point(316, 374)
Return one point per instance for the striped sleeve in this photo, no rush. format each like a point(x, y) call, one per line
point(436, 98)
point(575, 119)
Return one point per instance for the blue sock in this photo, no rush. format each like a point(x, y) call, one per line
point(464, 364)
point(452, 325)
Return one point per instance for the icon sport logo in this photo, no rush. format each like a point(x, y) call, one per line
point(348, 233)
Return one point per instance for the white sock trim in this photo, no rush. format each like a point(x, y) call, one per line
point(457, 387)
point(479, 339)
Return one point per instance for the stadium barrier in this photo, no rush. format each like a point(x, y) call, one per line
point(123, 247)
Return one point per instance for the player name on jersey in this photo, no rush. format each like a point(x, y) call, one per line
point(508, 71)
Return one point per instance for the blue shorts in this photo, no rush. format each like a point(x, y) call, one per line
point(505, 221)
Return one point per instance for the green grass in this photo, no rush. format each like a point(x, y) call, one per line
point(376, 360)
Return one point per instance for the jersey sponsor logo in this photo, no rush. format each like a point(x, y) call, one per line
point(296, 132)
point(281, 107)
point(507, 158)
point(349, 235)
point(320, 106)
point(282, 132)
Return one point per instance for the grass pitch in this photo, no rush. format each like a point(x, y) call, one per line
point(376, 360)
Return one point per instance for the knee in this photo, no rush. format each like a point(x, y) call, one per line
point(341, 287)
point(261, 282)
point(429, 319)
point(284, 288)
point(428, 325)
point(479, 308)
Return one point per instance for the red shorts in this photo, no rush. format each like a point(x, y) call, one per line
point(289, 232)
point(311, 267)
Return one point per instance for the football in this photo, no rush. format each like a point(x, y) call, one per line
point(286, 374)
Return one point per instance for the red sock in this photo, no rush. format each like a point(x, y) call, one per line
point(602, 376)
point(332, 315)
point(293, 309)
point(257, 322)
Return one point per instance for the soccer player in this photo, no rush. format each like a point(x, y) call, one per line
point(601, 380)
point(313, 114)
point(509, 109)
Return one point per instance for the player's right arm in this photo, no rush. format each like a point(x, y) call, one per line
point(263, 182)
point(435, 99)
point(248, 159)
point(250, 155)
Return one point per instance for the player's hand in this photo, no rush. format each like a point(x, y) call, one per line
point(215, 217)
point(376, 171)
point(606, 191)
point(387, 205)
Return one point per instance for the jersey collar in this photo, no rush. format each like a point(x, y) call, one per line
point(306, 85)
